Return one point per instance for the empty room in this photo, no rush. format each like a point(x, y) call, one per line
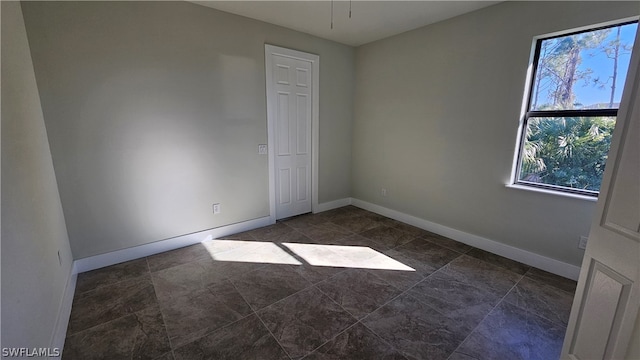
point(320, 180)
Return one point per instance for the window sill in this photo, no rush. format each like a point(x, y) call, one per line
point(552, 192)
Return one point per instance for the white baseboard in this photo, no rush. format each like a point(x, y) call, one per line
point(539, 261)
point(64, 313)
point(137, 252)
point(330, 205)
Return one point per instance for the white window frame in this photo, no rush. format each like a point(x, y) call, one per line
point(526, 114)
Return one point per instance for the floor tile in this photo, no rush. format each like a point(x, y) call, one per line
point(356, 224)
point(410, 229)
point(235, 269)
point(291, 237)
point(267, 232)
point(316, 274)
point(140, 335)
point(459, 356)
point(494, 278)
point(427, 253)
point(382, 220)
point(448, 243)
point(513, 333)
point(358, 291)
point(325, 233)
point(552, 279)
point(460, 300)
point(216, 247)
point(94, 279)
point(388, 236)
point(335, 213)
point(201, 311)
point(545, 300)
point(177, 257)
point(267, 285)
point(110, 302)
point(167, 356)
point(245, 235)
point(351, 209)
point(303, 322)
point(359, 240)
point(356, 343)
point(516, 267)
point(304, 221)
point(404, 279)
point(415, 329)
point(244, 339)
point(180, 280)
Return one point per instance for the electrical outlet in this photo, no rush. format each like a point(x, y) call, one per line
point(383, 192)
point(583, 242)
point(262, 149)
point(216, 208)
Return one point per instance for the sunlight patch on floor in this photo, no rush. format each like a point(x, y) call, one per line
point(249, 251)
point(361, 257)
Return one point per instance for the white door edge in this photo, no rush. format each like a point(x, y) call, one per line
point(270, 50)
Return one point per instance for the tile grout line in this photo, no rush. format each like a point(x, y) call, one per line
point(331, 339)
point(225, 278)
point(532, 312)
point(383, 340)
point(156, 304)
point(541, 282)
point(485, 317)
point(260, 318)
point(115, 282)
point(272, 335)
point(358, 321)
point(254, 312)
point(164, 321)
point(411, 287)
point(335, 302)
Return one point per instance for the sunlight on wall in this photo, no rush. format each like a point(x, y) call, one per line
point(361, 257)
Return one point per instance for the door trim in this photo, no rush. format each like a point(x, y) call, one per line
point(270, 50)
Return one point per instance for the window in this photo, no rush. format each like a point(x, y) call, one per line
point(571, 108)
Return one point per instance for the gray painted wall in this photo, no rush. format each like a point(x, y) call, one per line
point(436, 117)
point(33, 228)
point(154, 112)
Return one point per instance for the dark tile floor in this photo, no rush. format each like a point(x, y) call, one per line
point(343, 284)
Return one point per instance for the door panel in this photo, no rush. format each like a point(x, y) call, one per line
point(607, 295)
point(303, 191)
point(303, 118)
point(284, 180)
point(283, 126)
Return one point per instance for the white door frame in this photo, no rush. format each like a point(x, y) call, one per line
point(270, 50)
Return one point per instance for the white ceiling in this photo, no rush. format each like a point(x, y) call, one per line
point(370, 20)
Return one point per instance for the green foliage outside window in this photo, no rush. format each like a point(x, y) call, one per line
point(569, 152)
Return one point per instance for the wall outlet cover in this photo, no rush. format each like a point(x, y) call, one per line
point(583, 242)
